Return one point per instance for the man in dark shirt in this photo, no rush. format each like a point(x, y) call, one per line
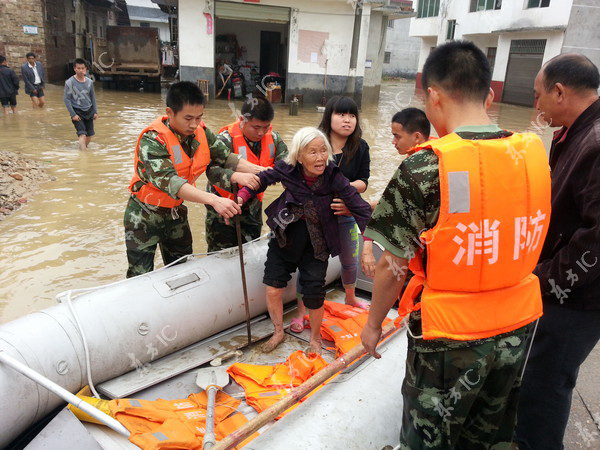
point(9, 86)
point(566, 93)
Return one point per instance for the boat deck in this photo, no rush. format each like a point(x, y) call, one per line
point(174, 376)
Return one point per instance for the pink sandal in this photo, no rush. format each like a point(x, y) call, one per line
point(297, 325)
point(361, 304)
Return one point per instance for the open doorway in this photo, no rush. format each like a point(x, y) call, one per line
point(252, 41)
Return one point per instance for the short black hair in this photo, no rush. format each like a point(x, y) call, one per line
point(184, 93)
point(2, 59)
point(572, 70)
point(258, 108)
point(460, 68)
point(80, 61)
point(342, 105)
point(413, 120)
point(30, 54)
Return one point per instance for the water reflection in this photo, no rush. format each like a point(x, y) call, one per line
point(70, 235)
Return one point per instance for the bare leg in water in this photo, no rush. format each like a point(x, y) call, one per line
point(275, 307)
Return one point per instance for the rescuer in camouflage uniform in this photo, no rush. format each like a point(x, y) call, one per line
point(456, 394)
point(147, 225)
point(255, 121)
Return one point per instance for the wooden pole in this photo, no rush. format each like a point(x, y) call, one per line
point(296, 395)
point(224, 84)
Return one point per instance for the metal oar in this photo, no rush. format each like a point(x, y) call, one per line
point(63, 393)
point(211, 379)
point(238, 230)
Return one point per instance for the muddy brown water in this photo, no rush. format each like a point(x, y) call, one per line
point(70, 234)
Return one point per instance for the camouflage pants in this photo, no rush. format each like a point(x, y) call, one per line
point(463, 398)
point(220, 236)
point(145, 228)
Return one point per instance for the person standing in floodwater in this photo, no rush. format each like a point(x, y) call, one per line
point(170, 154)
point(80, 100)
point(34, 77)
point(9, 87)
point(252, 137)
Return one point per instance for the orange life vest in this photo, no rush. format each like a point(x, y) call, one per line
point(186, 167)
point(265, 385)
point(494, 216)
point(169, 424)
point(343, 324)
point(240, 147)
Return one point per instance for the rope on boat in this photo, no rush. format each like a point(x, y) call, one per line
point(88, 365)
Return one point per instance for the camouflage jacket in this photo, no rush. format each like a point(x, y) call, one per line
point(159, 170)
point(221, 175)
point(409, 205)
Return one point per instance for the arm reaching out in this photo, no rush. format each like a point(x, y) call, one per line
point(387, 287)
point(225, 207)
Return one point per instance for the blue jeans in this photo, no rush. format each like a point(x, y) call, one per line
point(349, 234)
point(564, 339)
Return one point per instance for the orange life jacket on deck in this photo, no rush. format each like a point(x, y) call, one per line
point(343, 324)
point(240, 147)
point(494, 216)
point(186, 167)
point(169, 424)
point(265, 385)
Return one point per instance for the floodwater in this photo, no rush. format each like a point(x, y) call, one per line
point(70, 235)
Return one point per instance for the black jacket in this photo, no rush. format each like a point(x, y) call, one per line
point(357, 168)
point(569, 266)
point(9, 82)
point(29, 76)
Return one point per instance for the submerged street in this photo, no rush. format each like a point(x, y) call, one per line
point(70, 234)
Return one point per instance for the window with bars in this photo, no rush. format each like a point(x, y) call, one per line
point(386, 57)
point(390, 23)
point(173, 25)
point(538, 3)
point(451, 30)
point(428, 8)
point(482, 5)
point(491, 56)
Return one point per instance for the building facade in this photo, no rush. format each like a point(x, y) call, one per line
point(317, 49)
point(401, 57)
point(518, 36)
point(141, 16)
point(57, 31)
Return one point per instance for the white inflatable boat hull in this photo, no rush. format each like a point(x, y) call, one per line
point(168, 309)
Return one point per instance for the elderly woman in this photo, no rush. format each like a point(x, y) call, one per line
point(305, 229)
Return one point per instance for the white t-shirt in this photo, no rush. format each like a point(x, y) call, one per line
point(37, 80)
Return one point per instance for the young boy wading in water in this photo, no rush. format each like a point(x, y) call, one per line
point(80, 100)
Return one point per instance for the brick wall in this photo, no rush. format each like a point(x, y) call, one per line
point(53, 45)
point(14, 43)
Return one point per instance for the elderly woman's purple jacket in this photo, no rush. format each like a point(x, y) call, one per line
point(297, 192)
